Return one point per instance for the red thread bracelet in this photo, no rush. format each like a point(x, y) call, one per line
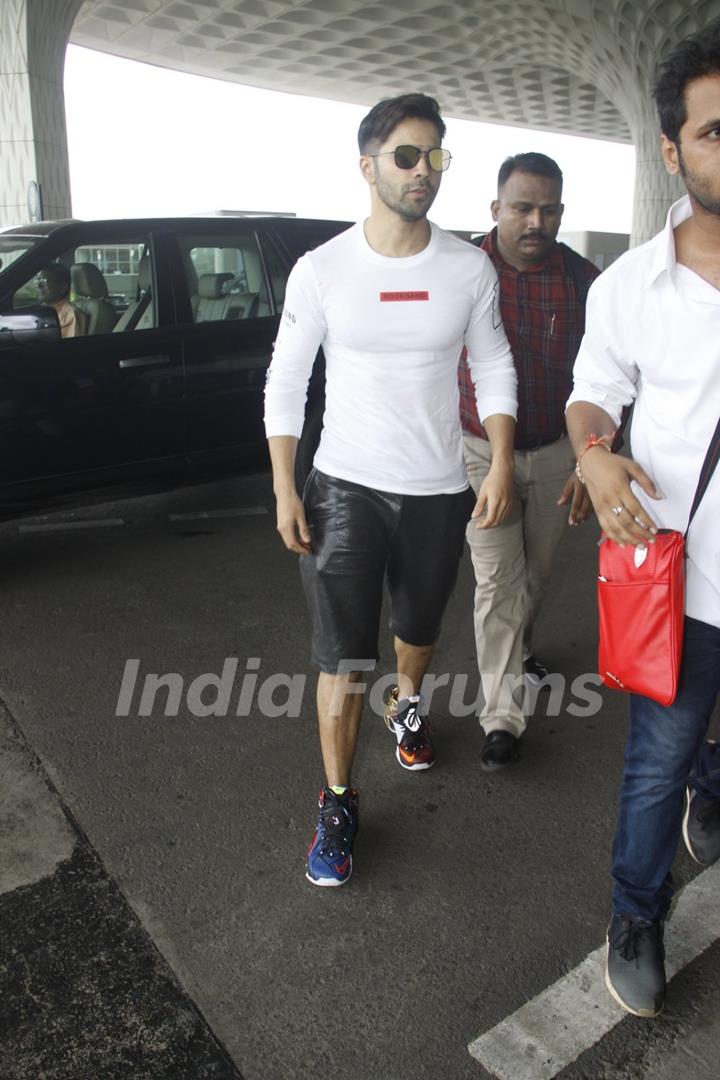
point(593, 440)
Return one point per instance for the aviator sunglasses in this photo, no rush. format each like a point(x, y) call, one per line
point(407, 157)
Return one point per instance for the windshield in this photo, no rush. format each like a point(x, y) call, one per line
point(12, 247)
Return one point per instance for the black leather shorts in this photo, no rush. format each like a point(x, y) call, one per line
point(361, 537)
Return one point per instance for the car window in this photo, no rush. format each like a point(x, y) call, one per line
point(277, 272)
point(109, 288)
point(12, 247)
point(225, 278)
point(306, 235)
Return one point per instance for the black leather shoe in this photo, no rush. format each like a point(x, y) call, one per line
point(499, 749)
point(535, 672)
point(635, 974)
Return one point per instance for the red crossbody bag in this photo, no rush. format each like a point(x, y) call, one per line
point(641, 606)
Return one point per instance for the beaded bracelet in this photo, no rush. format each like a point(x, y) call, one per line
point(593, 440)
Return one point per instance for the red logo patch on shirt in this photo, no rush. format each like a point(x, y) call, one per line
point(393, 296)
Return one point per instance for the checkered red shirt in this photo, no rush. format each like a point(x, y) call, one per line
point(544, 323)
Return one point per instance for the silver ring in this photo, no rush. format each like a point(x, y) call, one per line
point(617, 510)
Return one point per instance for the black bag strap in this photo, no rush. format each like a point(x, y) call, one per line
point(711, 460)
point(576, 269)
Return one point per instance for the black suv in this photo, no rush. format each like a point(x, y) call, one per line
point(175, 321)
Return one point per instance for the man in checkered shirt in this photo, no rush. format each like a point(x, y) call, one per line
point(543, 286)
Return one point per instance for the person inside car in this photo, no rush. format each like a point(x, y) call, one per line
point(53, 285)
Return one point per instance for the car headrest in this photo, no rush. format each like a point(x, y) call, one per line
point(144, 276)
point(210, 286)
point(88, 281)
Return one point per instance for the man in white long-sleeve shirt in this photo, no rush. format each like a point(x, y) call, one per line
point(391, 302)
point(653, 337)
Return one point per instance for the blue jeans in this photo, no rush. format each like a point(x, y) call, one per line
point(665, 751)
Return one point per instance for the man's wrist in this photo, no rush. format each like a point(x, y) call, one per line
point(284, 488)
point(592, 443)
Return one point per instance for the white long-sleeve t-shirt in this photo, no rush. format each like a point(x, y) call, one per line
point(392, 331)
point(653, 337)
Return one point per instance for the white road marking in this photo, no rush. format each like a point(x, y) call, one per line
point(58, 526)
point(243, 511)
point(548, 1033)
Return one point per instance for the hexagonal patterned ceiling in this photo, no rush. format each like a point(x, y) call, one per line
point(568, 65)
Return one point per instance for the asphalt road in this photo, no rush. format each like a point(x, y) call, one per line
point(471, 893)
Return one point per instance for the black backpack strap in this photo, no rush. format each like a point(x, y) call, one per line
point(711, 460)
point(575, 268)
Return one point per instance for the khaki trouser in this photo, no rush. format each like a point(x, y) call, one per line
point(512, 564)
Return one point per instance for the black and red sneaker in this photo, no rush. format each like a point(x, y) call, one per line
point(414, 750)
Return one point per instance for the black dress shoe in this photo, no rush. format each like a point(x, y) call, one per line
point(635, 974)
point(499, 749)
point(536, 672)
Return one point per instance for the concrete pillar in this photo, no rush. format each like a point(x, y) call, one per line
point(655, 189)
point(33, 136)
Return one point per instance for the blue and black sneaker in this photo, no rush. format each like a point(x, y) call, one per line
point(329, 857)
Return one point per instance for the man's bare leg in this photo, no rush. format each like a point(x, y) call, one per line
point(329, 858)
point(339, 708)
point(414, 750)
point(412, 664)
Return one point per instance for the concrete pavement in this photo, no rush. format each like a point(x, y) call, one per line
point(170, 848)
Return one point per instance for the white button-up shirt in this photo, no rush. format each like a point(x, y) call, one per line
point(653, 337)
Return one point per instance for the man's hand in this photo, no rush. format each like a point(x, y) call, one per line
point(292, 524)
point(576, 494)
point(621, 516)
point(495, 496)
point(291, 521)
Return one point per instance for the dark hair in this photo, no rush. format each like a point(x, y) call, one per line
point(384, 117)
point(532, 163)
point(694, 57)
point(58, 272)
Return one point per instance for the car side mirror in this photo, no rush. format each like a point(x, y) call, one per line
point(30, 325)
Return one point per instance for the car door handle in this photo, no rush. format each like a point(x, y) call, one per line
point(144, 361)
